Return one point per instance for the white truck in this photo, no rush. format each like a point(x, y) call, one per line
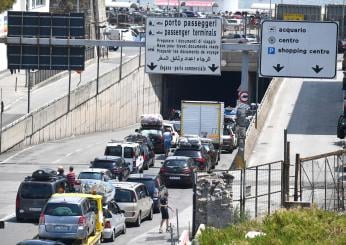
point(203, 118)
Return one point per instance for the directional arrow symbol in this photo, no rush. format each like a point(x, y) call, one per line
point(152, 66)
point(213, 68)
point(317, 69)
point(278, 68)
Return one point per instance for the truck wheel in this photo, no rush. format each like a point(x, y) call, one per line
point(138, 221)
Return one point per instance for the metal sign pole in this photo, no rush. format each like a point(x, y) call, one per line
point(2, 111)
point(29, 86)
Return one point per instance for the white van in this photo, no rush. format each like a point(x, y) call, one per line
point(129, 151)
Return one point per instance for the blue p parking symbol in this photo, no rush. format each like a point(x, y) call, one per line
point(271, 50)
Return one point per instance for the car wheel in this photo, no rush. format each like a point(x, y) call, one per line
point(112, 238)
point(19, 219)
point(124, 229)
point(150, 216)
point(138, 221)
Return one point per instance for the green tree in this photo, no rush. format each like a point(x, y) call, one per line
point(6, 4)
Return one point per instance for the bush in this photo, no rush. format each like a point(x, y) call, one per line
point(295, 226)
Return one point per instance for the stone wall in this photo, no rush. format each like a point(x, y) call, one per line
point(214, 199)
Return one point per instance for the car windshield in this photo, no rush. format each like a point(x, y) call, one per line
point(176, 126)
point(90, 175)
point(149, 183)
point(103, 164)
point(114, 151)
point(36, 190)
point(187, 153)
point(175, 163)
point(128, 151)
point(62, 209)
point(122, 195)
point(151, 132)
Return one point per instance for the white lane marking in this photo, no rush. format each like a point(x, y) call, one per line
point(16, 154)
point(56, 161)
point(78, 150)
point(8, 217)
point(68, 154)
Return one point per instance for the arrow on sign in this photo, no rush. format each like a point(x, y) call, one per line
point(152, 66)
point(213, 68)
point(317, 69)
point(278, 68)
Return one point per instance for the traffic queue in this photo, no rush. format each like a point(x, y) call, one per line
point(97, 204)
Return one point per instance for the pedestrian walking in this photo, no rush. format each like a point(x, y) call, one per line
point(71, 179)
point(167, 140)
point(164, 211)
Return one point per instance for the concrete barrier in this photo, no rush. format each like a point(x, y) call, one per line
point(118, 104)
point(262, 113)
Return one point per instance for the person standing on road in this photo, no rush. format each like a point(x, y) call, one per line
point(61, 171)
point(164, 211)
point(71, 179)
point(167, 140)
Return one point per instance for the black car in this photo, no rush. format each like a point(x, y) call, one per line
point(212, 151)
point(117, 165)
point(34, 192)
point(147, 149)
point(156, 137)
point(193, 148)
point(40, 242)
point(177, 169)
point(153, 184)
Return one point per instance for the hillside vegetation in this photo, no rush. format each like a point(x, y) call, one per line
point(295, 226)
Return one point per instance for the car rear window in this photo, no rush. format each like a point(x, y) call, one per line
point(122, 195)
point(128, 152)
point(187, 153)
point(103, 164)
point(149, 183)
point(176, 163)
point(62, 209)
point(90, 175)
point(36, 190)
point(114, 151)
point(151, 132)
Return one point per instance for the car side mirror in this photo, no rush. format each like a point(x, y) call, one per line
point(137, 130)
point(122, 211)
point(162, 163)
point(172, 150)
point(173, 134)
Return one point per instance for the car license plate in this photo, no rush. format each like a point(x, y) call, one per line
point(174, 177)
point(35, 209)
point(61, 228)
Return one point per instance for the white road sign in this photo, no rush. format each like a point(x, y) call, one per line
point(298, 49)
point(183, 46)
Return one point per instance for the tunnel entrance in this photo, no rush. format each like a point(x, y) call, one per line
point(213, 88)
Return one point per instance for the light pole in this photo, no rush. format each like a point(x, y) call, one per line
point(121, 53)
point(98, 59)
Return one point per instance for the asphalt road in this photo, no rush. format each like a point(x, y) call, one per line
point(79, 151)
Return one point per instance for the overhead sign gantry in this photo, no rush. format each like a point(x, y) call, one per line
point(298, 49)
point(183, 46)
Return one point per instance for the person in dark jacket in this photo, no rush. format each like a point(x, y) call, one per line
point(164, 211)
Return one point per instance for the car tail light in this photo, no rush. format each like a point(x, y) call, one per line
point(17, 202)
point(82, 221)
point(42, 219)
point(108, 224)
point(163, 170)
point(201, 160)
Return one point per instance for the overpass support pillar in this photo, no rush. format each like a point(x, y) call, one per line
point(244, 85)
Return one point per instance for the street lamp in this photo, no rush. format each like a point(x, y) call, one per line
point(98, 59)
point(121, 52)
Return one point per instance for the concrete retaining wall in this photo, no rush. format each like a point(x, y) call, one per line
point(262, 113)
point(118, 104)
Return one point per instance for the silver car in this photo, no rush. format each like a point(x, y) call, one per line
point(67, 217)
point(114, 221)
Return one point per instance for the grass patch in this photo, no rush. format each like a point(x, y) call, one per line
point(295, 226)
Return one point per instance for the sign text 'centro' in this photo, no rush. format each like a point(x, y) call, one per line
point(183, 46)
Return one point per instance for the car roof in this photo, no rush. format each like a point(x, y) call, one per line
point(94, 170)
point(68, 199)
point(80, 195)
point(107, 158)
point(126, 144)
point(177, 158)
point(142, 176)
point(126, 185)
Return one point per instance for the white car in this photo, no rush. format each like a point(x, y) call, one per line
point(96, 179)
point(175, 135)
point(131, 152)
point(114, 221)
point(135, 200)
